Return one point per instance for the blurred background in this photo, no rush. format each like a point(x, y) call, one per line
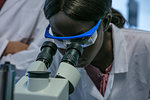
point(136, 12)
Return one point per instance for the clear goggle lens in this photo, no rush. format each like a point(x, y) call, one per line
point(85, 41)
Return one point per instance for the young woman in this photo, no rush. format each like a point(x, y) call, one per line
point(115, 64)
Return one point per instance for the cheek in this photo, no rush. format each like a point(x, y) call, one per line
point(90, 53)
point(87, 57)
point(92, 50)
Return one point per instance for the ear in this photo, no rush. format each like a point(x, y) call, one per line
point(106, 21)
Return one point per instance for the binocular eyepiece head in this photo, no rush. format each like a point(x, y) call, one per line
point(48, 50)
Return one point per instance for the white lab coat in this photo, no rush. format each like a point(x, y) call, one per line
point(22, 20)
point(129, 78)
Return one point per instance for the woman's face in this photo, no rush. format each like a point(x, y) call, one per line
point(63, 25)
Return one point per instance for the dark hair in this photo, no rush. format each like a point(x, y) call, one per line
point(117, 18)
point(88, 10)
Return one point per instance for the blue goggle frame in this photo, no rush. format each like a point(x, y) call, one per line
point(86, 34)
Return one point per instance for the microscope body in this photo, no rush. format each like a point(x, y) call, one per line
point(37, 85)
point(41, 89)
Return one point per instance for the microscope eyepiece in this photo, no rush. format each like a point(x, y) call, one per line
point(48, 50)
point(74, 50)
point(51, 45)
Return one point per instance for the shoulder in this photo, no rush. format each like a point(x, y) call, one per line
point(136, 33)
point(128, 32)
point(137, 39)
point(137, 47)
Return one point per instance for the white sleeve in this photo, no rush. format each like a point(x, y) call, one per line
point(3, 44)
point(39, 31)
point(24, 58)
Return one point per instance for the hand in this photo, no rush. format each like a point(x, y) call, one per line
point(14, 47)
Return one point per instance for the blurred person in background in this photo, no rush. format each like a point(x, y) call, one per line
point(22, 24)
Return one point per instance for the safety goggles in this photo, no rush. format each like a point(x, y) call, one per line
point(86, 39)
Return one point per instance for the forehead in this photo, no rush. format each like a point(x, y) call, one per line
point(61, 23)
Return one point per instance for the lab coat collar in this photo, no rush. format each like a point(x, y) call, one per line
point(120, 63)
point(89, 87)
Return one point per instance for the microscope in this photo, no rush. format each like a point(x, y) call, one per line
point(37, 84)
